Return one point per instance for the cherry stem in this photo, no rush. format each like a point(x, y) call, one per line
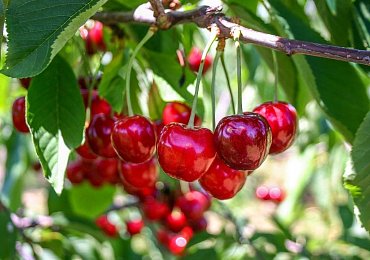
point(228, 83)
point(184, 186)
point(199, 77)
point(276, 72)
point(238, 70)
point(213, 90)
point(146, 38)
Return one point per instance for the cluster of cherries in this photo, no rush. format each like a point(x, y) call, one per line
point(176, 215)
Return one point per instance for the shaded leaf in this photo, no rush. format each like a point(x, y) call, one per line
point(8, 236)
point(155, 102)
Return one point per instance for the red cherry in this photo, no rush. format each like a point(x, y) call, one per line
point(187, 232)
point(163, 236)
point(102, 221)
point(185, 153)
point(75, 173)
point(199, 225)
point(194, 59)
point(108, 228)
point(98, 105)
point(140, 175)
point(177, 244)
point(92, 174)
point(141, 193)
point(243, 141)
point(154, 209)
point(25, 82)
point(282, 118)
point(178, 112)
point(134, 226)
point(193, 204)
point(134, 139)
point(262, 193)
point(98, 135)
point(176, 221)
point(84, 151)
point(108, 170)
point(221, 181)
point(158, 125)
point(19, 115)
point(276, 194)
point(94, 38)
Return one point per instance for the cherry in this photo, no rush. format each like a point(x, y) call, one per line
point(282, 118)
point(243, 141)
point(199, 225)
point(176, 221)
point(98, 135)
point(221, 181)
point(193, 204)
point(194, 59)
point(141, 193)
point(140, 175)
point(75, 173)
point(154, 209)
point(98, 105)
point(19, 115)
point(185, 153)
point(25, 82)
point(134, 226)
point(84, 151)
point(178, 112)
point(94, 38)
point(177, 244)
point(108, 228)
point(276, 194)
point(262, 193)
point(108, 170)
point(187, 232)
point(134, 139)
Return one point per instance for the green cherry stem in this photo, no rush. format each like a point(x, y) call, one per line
point(238, 70)
point(199, 77)
point(228, 82)
point(213, 90)
point(146, 38)
point(276, 72)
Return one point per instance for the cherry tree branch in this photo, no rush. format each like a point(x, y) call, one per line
point(206, 16)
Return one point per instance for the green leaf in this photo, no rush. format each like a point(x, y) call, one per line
point(87, 201)
point(336, 85)
point(3, 6)
point(332, 4)
point(8, 236)
point(56, 116)
point(155, 102)
point(38, 30)
point(250, 5)
point(358, 183)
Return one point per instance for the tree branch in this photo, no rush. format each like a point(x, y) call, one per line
point(206, 16)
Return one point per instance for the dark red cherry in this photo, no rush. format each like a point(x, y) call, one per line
point(141, 193)
point(185, 153)
point(98, 104)
point(243, 141)
point(176, 221)
point(134, 226)
point(108, 169)
point(75, 173)
point(178, 112)
point(199, 225)
point(98, 135)
point(25, 82)
point(282, 118)
point(193, 204)
point(194, 59)
point(154, 209)
point(84, 151)
point(221, 181)
point(134, 139)
point(177, 244)
point(140, 175)
point(19, 115)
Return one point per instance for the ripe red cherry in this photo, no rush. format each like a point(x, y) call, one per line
point(134, 226)
point(141, 193)
point(176, 221)
point(221, 181)
point(194, 59)
point(134, 139)
point(98, 105)
point(178, 112)
point(163, 236)
point(185, 153)
point(282, 118)
point(199, 225)
point(94, 38)
point(177, 244)
point(243, 141)
point(108, 228)
point(19, 115)
point(276, 194)
point(140, 175)
point(108, 169)
point(262, 193)
point(154, 209)
point(98, 135)
point(193, 204)
point(25, 82)
point(75, 173)
point(84, 151)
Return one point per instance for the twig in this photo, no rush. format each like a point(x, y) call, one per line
point(205, 16)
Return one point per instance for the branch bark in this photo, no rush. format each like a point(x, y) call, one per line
point(206, 16)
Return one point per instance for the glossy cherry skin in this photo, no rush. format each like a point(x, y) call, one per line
point(282, 118)
point(194, 59)
point(98, 135)
point(19, 115)
point(134, 139)
point(134, 226)
point(140, 175)
point(141, 193)
point(276, 194)
point(193, 204)
point(243, 141)
point(185, 153)
point(221, 181)
point(178, 112)
point(176, 221)
point(154, 209)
